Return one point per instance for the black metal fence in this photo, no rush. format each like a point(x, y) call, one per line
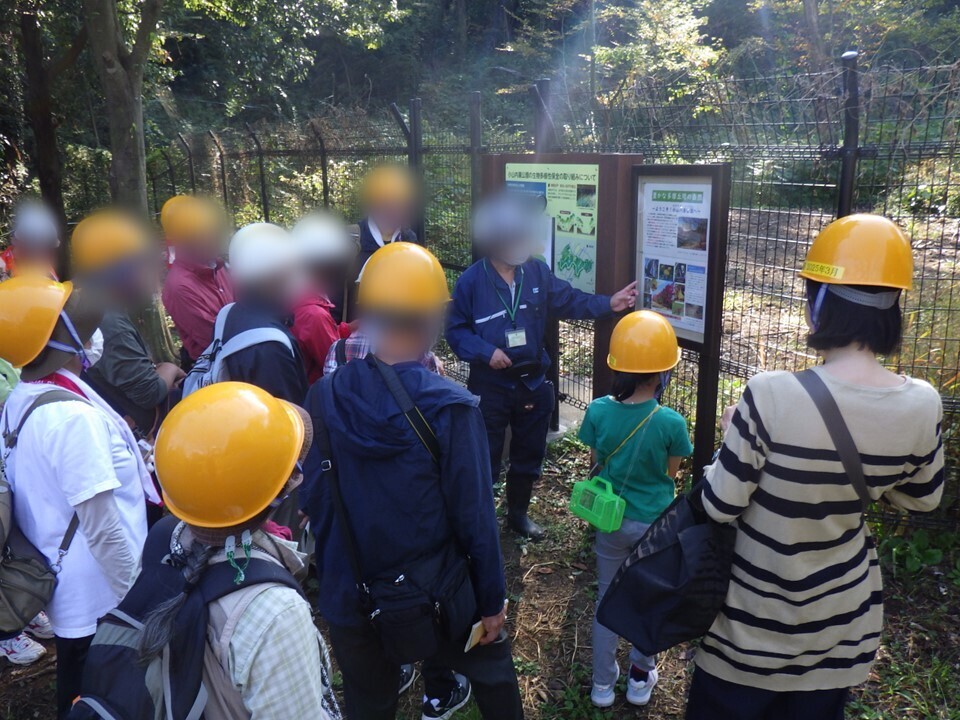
point(801, 147)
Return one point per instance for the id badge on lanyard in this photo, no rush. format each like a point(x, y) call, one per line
point(517, 337)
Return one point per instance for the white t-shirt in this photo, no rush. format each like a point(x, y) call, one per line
point(67, 453)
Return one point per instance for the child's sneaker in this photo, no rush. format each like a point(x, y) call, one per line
point(603, 696)
point(40, 627)
point(639, 688)
point(21, 650)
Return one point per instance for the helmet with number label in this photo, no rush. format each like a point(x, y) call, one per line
point(861, 249)
point(643, 342)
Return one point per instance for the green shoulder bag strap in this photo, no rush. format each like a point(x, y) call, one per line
point(10, 442)
point(416, 419)
point(839, 432)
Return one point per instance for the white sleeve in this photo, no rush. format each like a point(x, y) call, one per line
point(101, 527)
point(80, 455)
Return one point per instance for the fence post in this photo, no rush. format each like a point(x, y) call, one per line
point(415, 160)
point(476, 146)
point(323, 163)
point(170, 173)
point(850, 153)
point(221, 158)
point(186, 146)
point(264, 201)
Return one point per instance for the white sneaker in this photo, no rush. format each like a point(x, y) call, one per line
point(21, 650)
point(40, 627)
point(638, 693)
point(603, 696)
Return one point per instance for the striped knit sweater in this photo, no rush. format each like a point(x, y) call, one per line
point(804, 609)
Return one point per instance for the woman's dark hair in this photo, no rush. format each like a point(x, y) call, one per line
point(158, 624)
point(841, 323)
point(626, 384)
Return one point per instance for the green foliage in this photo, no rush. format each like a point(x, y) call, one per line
point(918, 551)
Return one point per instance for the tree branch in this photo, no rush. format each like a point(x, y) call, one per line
point(149, 19)
point(69, 57)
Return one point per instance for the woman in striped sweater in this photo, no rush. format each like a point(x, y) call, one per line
point(803, 614)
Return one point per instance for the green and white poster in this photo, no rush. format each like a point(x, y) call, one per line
point(571, 195)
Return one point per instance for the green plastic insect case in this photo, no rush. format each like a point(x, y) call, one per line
point(593, 500)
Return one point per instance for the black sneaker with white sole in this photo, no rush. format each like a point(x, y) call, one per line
point(408, 676)
point(435, 709)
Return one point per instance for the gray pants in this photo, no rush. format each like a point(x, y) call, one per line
point(612, 549)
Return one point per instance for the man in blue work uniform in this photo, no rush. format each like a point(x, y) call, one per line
point(497, 322)
point(408, 504)
point(267, 282)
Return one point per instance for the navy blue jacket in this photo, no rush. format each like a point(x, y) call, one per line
point(478, 321)
point(268, 365)
point(368, 246)
point(401, 505)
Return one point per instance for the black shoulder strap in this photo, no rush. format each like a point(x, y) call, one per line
point(416, 419)
point(839, 432)
point(321, 436)
point(340, 352)
point(10, 442)
point(218, 579)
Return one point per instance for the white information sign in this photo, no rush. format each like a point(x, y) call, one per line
point(673, 236)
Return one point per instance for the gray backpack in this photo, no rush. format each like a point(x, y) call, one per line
point(211, 366)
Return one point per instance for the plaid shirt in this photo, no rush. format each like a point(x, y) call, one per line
point(357, 347)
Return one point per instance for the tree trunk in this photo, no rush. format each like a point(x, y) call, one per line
point(38, 108)
point(121, 76)
point(818, 56)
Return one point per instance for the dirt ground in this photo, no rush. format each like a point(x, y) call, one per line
point(552, 592)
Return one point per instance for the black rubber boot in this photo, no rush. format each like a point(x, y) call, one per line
point(518, 500)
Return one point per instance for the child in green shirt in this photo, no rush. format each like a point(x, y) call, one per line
point(640, 445)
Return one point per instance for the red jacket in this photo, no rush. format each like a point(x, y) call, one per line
point(193, 295)
point(316, 330)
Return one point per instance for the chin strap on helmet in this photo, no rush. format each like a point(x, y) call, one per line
point(75, 336)
point(664, 381)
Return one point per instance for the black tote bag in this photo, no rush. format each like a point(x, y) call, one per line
point(674, 582)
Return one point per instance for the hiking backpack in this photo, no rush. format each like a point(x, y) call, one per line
point(116, 684)
point(27, 580)
point(211, 366)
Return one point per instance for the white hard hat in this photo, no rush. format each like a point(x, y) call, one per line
point(35, 226)
point(322, 238)
point(259, 251)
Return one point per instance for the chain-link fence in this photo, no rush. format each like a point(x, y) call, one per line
point(800, 147)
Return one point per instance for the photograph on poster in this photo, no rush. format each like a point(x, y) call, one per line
point(663, 298)
point(691, 233)
point(666, 272)
point(680, 272)
point(650, 285)
point(693, 311)
point(651, 267)
point(587, 196)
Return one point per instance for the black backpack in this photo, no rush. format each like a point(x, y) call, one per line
point(116, 685)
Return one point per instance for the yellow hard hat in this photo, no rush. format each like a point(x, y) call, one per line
point(388, 184)
point(643, 342)
point(30, 305)
point(185, 218)
point(403, 278)
point(105, 238)
point(861, 250)
point(224, 453)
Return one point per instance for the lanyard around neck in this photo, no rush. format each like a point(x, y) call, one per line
point(511, 309)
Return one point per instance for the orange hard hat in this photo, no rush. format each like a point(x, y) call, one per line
point(30, 306)
point(225, 452)
point(403, 278)
point(186, 218)
point(643, 342)
point(388, 184)
point(106, 238)
point(861, 249)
